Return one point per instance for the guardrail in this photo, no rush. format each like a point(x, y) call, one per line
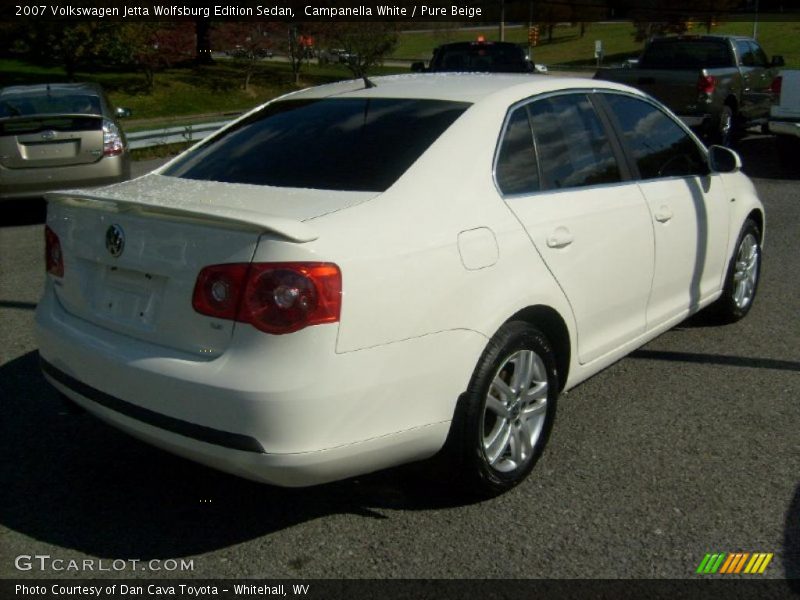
point(173, 135)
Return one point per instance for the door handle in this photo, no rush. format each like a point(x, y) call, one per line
point(663, 215)
point(560, 238)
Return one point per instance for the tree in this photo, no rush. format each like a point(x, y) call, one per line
point(246, 42)
point(154, 46)
point(644, 30)
point(70, 44)
point(365, 43)
point(709, 12)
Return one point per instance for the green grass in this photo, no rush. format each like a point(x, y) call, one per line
point(161, 151)
point(569, 49)
point(201, 93)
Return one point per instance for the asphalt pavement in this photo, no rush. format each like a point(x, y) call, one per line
point(691, 445)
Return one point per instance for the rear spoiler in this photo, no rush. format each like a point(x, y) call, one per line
point(290, 229)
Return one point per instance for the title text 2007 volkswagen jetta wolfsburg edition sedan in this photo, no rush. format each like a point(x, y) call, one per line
point(355, 276)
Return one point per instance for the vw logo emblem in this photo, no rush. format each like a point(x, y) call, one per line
point(115, 240)
point(48, 135)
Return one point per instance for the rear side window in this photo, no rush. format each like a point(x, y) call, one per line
point(502, 58)
point(517, 171)
point(571, 143)
point(354, 144)
point(686, 54)
point(660, 147)
point(759, 57)
point(746, 56)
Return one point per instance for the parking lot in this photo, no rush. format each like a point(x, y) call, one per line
point(688, 446)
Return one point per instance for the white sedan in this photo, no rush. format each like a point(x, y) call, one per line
point(369, 273)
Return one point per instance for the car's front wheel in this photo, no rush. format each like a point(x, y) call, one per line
point(741, 280)
point(508, 409)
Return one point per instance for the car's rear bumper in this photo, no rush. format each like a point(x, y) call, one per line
point(285, 410)
point(785, 128)
point(34, 182)
point(703, 120)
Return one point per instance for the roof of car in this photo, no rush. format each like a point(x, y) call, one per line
point(706, 36)
point(476, 43)
point(456, 87)
point(58, 88)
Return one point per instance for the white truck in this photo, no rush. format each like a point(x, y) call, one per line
point(784, 119)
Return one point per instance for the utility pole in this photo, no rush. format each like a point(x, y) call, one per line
point(502, 20)
point(530, 25)
point(755, 23)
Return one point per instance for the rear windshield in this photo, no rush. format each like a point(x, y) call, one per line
point(353, 144)
point(49, 104)
point(502, 58)
point(686, 54)
point(24, 125)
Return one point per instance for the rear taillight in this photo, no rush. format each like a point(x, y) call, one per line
point(273, 297)
point(112, 139)
point(53, 257)
point(706, 84)
point(776, 85)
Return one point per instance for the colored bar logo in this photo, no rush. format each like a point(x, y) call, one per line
point(735, 563)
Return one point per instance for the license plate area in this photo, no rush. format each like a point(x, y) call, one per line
point(129, 297)
point(49, 150)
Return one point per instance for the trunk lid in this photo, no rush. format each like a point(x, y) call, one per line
point(45, 141)
point(172, 228)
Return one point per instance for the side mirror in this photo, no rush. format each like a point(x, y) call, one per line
point(418, 67)
point(723, 160)
point(777, 61)
point(123, 113)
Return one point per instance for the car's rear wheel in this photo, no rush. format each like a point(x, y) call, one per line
point(741, 280)
point(724, 133)
point(508, 409)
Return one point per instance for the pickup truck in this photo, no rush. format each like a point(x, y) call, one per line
point(480, 56)
point(784, 120)
point(717, 84)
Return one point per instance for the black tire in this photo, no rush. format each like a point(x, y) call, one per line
point(482, 475)
point(731, 307)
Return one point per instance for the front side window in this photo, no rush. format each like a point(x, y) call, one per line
point(355, 144)
point(517, 171)
point(660, 147)
point(746, 56)
point(675, 53)
point(760, 58)
point(571, 143)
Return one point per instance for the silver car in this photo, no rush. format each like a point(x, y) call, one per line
point(59, 135)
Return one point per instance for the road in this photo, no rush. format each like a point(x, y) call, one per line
point(688, 446)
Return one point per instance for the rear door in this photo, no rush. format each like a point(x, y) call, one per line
point(563, 177)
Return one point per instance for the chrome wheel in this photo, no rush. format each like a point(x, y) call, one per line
point(745, 274)
point(514, 412)
point(725, 125)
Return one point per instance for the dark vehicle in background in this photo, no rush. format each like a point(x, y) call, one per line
point(716, 84)
point(59, 135)
point(477, 57)
point(336, 56)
